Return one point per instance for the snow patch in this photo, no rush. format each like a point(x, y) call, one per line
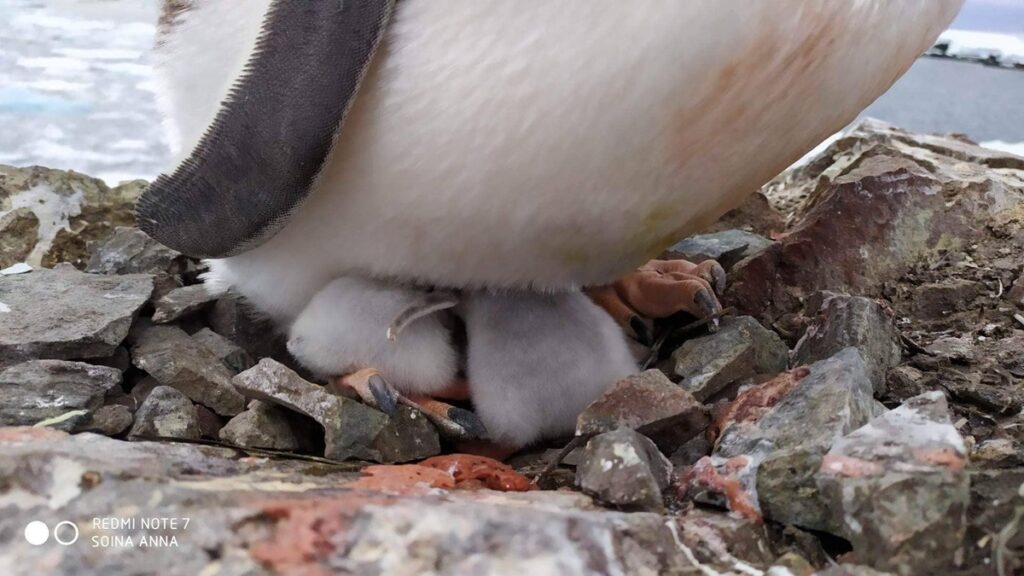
point(1005, 49)
point(1016, 148)
point(626, 453)
point(19, 268)
point(53, 211)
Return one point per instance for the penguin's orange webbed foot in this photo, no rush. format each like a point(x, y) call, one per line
point(659, 289)
point(452, 421)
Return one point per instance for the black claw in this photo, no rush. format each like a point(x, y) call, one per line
point(719, 279)
point(708, 307)
point(642, 331)
point(385, 395)
point(469, 421)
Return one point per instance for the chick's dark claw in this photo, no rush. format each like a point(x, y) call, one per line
point(451, 421)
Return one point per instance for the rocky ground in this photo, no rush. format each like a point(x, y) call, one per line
point(859, 412)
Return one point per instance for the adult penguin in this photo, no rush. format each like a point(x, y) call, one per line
point(354, 167)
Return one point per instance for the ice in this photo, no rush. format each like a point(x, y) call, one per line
point(1006, 49)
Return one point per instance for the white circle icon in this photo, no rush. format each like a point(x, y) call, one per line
point(69, 541)
point(37, 533)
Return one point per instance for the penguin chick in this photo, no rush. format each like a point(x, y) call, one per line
point(535, 360)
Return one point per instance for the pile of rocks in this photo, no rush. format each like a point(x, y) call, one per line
point(129, 347)
point(863, 406)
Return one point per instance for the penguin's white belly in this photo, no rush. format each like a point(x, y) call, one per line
point(557, 144)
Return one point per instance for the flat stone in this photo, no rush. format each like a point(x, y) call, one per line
point(273, 516)
point(19, 231)
point(727, 247)
point(65, 314)
point(262, 425)
point(851, 570)
point(110, 420)
point(649, 403)
point(166, 412)
point(741, 348)
point(899, 487)
point(39, 390)
point(998, 453)
point(181, 302)
point(349, 427)
point(130, 251)
point(233, 356)
point(954, 348)
point(939, 299)
point(839, 321)
point(169, 355)
point(623, 468)
point(408, 436)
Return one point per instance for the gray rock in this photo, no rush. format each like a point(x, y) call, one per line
point(1016, 292)
point(261, 426)
point(649, 403)
point(169, 355)
point(39, 390)
point(938, 299)
point(408, 436)
point(19, 231)
point(899, 488)
point(874, 205)
point(109, 420)
point(623, 468)
point(65, 314)
point(130, 251)
point(713, 536)
point(997, 505)
point(237, 359)
point(850, 570)
point(773, 437)
point(349, 427)
point(691, 451)
point(141, 389)
point(741, 348)
point(166, 412)
point(120, 359)
point(727, 247)
point(90, 210)
point(954, 348)
point(998, 453)
point(233, 318)
point(839, 321)
point(273, 515)
point(210, 424)
point(181, 302)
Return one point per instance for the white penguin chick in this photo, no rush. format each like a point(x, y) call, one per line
point(535, 361)
point(524, 146)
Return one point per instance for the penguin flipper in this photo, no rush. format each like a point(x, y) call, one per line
point(264, 150)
